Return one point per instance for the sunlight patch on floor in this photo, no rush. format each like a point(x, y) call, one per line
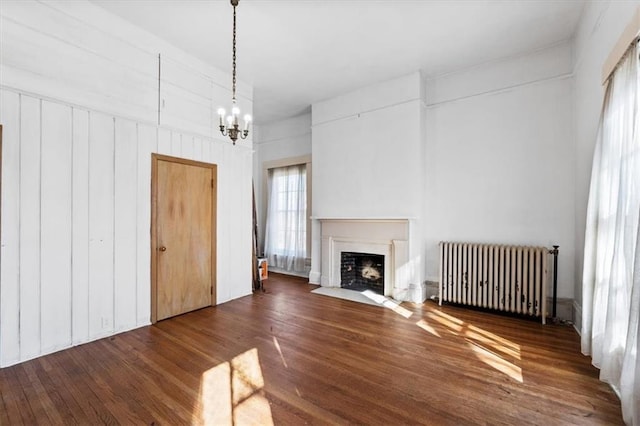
point(495, 337)
point(387, 303)
point(495, 344)
point(277, 345)
point(231, 393)
point(215, 396)
point(496, 362)
point(451, 326)
point(428, 328)
point(497, 352)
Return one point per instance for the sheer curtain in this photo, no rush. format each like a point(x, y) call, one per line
point(286, 229)
point(611, 279)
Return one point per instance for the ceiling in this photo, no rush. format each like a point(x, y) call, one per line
point(297, 52)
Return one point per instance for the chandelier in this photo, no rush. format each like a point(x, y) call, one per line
point(232, 126)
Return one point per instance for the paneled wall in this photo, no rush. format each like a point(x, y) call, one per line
point(76, 222)
point(82, 109)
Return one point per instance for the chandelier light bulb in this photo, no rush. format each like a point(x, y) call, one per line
point(235, 110)
point(221, 112)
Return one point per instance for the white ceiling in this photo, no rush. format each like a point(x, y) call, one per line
point(297, 52)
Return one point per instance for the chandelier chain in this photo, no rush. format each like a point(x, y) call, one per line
point(233, 128)
point(234, 54)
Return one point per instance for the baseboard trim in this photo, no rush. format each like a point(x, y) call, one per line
point(314, 277)
point(577, 317)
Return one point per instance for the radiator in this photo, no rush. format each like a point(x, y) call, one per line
point(500, 277)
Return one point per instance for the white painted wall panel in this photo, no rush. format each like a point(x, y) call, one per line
point(184, 110)
point(10, 256)
point(101, 225)
point(164, 142)
point(71, 54)
point(187, 150)
point(238, 244)
point(174, 72)
point(76, 178)
point(197, 148)
point(92, 208)
point(80, 231)
point(126, 141)
point(224, 232)
point(176, 144)
point(55, 227)
point(52, 20)
point(185, 95)
point(147, 143)
point(30, 181)
point(71, 72)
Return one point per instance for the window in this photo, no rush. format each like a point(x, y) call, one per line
point(286, 224)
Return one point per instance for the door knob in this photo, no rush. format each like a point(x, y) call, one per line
point(163, 248)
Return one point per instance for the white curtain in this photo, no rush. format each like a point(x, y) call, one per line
point(611, 279)
point(286, 228)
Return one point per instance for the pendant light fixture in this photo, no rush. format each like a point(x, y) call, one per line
point(232, 127)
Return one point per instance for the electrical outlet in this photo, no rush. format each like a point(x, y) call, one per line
point(106, 323)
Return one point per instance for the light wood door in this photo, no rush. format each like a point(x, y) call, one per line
point(184, 236)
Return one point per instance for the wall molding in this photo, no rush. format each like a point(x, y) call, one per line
point(286, 138)
point(502, 89)
point(368, 111)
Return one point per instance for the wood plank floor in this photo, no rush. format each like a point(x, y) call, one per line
point(288, 356)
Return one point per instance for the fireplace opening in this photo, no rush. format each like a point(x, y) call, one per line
point(362, 271)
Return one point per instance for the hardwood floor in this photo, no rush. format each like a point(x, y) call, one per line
point(288, 356)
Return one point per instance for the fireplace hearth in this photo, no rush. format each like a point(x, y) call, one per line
point(362, 271)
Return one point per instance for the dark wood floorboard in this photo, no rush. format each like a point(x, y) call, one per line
point(291, 357)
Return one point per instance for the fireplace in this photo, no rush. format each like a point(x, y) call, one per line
point(362, 271)
point(386, 239)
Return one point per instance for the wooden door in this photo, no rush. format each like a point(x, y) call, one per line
point(183, 236)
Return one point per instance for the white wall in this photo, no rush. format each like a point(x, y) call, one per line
point(500, 157)
point(279, 140)
point(79, 117)
point(600, 27)
point(367, 158)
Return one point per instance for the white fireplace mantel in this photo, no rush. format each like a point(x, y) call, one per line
point(384, 236)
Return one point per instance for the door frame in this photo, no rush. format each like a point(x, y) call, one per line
point(155, 158)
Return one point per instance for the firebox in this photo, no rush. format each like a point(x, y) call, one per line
point(362, 271)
